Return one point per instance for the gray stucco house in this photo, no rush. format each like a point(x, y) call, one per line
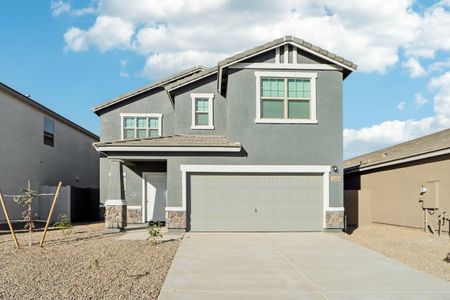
point(252, 144)
point(39, 145)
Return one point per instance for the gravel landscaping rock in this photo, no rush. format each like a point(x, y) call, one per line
point(87, 264)
point(411, 246)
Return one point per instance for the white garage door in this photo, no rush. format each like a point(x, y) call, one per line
point(255, 202)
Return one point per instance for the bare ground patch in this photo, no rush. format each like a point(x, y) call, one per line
point(87, 264)
point(411, 246)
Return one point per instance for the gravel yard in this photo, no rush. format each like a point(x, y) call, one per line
point(86, 264)
point(411, 246)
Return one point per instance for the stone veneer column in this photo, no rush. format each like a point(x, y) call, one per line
point(176, 220)
point(115, 205)
point(334, 218)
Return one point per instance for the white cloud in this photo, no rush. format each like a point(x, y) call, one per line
point(433, 34)
point(359, 141)
point(124, 74)
point(157, 64)
point(354, 29)
point(401, 105)
point(59, 7)
point(107, 33)
point(123, 62)
point(414, 67)
point(419, 100)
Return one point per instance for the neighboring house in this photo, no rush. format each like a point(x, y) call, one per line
point(384, 186)
point(39, 145)
point(247, 145)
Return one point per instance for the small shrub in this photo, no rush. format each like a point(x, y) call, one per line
point(64, 224)
point(154, 233)
point(95, 264)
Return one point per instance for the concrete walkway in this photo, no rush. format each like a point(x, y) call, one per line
point(290, 266)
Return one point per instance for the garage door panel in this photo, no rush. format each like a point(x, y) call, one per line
point(256, 202)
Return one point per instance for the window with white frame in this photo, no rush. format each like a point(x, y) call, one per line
point(285, 97)
point(137, 126)
point(202, 111)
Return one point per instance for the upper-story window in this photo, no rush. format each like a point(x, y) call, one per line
point(137, 126)
point(285, 97)
point(49, 132)
point(202, 111)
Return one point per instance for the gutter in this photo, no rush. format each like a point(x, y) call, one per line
point(356, 169)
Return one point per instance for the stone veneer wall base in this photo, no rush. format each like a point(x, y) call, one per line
point(176, 221)
point(334, 220)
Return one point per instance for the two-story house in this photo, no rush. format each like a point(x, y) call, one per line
point(252, 144)
point(40, 145)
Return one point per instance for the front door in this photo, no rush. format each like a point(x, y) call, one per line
point(155, 196)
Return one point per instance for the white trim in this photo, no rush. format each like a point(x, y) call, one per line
point(134, 207)
point(170, 149)
point(294, 55)
point(280, 66)
point(147, 115)
point(286, 121)
point(210, 97)
point(144, 194)
point(115, 202)
point(256, 168)
point(313, 102)
point(323, 169)
point(286, 54)
point(335, 209)
point(294, 44)
point(277, 55)
point(189, 81)
point(398, 161)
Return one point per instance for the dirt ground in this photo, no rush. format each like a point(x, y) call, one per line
point(86, 264)
point(411, 246)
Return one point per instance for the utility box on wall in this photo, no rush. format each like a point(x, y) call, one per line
point(429, 194)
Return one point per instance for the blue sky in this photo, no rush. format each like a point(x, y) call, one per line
point(72, 55)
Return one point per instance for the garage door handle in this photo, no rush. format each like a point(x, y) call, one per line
point(256, 210)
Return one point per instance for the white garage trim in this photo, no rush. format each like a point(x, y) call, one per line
point(325, 170)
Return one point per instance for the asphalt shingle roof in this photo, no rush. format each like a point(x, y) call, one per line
point(177, 140)
point(423, 145)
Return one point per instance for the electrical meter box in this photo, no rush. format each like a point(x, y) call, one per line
point(429, 194)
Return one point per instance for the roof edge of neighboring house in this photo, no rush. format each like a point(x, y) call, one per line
point(437, 144)
point(37, 105)
point(160, 83)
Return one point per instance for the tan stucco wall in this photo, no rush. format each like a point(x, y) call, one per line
point(395, 190)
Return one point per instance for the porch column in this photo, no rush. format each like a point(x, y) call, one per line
point(115, 205)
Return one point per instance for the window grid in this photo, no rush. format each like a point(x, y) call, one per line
point(273, 92)
point(140, 127)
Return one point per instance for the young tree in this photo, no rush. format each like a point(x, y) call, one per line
point(26, 200)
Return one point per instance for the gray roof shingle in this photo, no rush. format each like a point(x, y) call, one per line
point(177, 140)
point(149, 87)
point(427, 144)
point(282, 40)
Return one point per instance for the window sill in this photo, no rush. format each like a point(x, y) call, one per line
point(203, 127)
point(286, 121)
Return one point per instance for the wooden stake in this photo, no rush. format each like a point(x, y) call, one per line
point(50, 213)
point(9, 222)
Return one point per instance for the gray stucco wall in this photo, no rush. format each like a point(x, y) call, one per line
point(284, 144)
point(73, 160)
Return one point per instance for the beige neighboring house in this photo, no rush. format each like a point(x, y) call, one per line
point(384, 186)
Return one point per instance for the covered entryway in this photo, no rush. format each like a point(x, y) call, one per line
point(154, 196)
point(259, 201)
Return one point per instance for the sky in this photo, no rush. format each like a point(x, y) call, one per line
point(72, 55)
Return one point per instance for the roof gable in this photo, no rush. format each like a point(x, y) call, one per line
point(161, 83)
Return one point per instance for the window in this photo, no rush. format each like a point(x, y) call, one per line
point(49, 132)
point(202, 111)
point(285, 97)
point(138, 126)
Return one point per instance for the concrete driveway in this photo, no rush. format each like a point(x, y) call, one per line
point(290, 266)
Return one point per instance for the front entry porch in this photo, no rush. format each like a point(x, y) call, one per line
point(137, 193)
